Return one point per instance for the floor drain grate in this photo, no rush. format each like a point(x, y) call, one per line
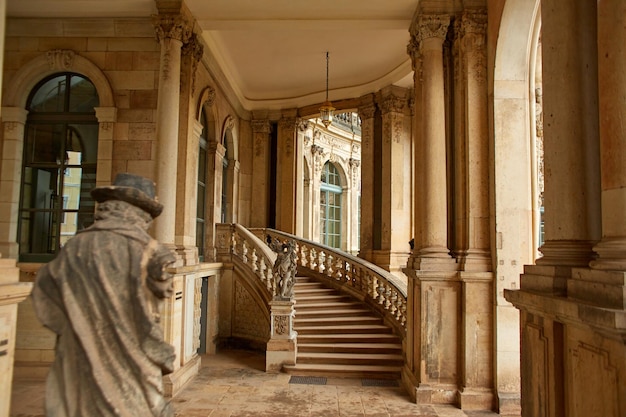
point(379, 382)
point(310, 380)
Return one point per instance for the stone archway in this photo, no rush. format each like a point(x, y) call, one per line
point(14, 118)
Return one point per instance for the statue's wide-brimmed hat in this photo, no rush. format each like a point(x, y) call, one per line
point(133, 189)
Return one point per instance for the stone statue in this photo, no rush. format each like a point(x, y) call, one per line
point(101, 297)
point(285, 266)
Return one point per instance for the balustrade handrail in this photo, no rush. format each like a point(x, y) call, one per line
point(236, 241)
point(372, 284)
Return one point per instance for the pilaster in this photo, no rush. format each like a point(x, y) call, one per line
point(395, 195)
point(12, 292)
point(367, 112)
point(286, 180)
point(261, 130)
point(471, 82)
point(612, 87)
point(13, 121)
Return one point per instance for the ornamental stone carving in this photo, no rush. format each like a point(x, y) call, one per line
point(172, 27)
point(432, 26)
point(281, 325)
point(60, 59)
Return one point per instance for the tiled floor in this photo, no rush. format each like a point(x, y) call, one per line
point(233, 384)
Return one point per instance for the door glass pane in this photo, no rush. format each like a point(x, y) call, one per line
point(83, 95)
point(50, 97)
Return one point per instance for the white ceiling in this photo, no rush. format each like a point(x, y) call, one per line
point(274, 51)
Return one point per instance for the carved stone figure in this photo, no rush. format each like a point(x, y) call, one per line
point(285, 266)
point(101, 296)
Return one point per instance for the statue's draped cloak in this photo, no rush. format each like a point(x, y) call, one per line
point(110, 353)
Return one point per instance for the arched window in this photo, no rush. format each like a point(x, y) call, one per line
point(330, 207)
point(59, 165)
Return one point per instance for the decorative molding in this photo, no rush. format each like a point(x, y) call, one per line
point(172, 27)
point(281, 325)
point(261, 126)
point(60, 59)
point(367, 112)
point(430, 26)
point(393, 104)
point(195, 50)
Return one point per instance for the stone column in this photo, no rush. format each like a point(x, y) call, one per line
point(571, 152)
point(612, 89)
point(13, 119)
point(395, 225)
point(261, 130)
point(367, 111)
point(428, 34)
point(286, 181)
point(172, 31)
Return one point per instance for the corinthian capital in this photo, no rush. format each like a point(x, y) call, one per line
point(430, 26)
point(474, 22)
point(172, 27)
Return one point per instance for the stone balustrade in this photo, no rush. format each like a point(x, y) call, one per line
point(369, 283)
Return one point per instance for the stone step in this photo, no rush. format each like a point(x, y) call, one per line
point(321, 298)
point(327, 305)
point(307, 292)
point(336, 320)
point(350, 358)
point(348, 338)
point(330, 313)
point(344, 371)
point(350, 347)
point(344, 329)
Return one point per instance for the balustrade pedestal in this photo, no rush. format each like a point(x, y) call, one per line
point(282, 347)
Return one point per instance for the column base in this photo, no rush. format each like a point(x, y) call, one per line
point(475, 260)
point(432, 394)
point(174, 382)
point(476, 399)
point(566, 253)
point(433, 259)
point(509, 404)
point(611, 255)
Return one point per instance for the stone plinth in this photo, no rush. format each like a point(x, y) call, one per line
point(11, 293)
point(281, 348)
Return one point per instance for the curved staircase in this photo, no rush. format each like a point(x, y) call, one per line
point(339, 336)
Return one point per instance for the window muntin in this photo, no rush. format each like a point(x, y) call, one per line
point(60, 158)
point(330, 206)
